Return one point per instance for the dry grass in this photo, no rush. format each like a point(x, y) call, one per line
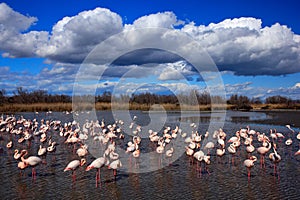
point(36, 107)
point(275, 106)
point(12, 108)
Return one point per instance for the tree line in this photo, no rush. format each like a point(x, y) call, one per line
point(22, 96)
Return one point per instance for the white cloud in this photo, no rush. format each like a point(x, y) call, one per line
point(244, 47)
point(13, 42)
point(12, 21)
point(175, 71)
point(158, 20)
point(72, 38)
point(296, 86)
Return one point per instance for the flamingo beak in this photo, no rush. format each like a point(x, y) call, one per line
point(89, 168)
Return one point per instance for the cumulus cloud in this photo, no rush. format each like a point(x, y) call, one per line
point(176, 71)
point(244, 47)
point(158, 20)
point(13, 42)
point(12, 21)
point(72, 38)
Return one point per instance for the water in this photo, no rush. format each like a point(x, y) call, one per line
point(180, 180)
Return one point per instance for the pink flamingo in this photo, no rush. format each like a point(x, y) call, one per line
point(262, 151)
point(98, 164)
point(249, 163)
point(115, 165)
point(275, 158)
point(73, 165)
point(32, 161)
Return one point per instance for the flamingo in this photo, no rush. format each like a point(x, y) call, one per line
point(51, 148)
point(221, 142)
point(220, 152)
point(82, 151)
point(298, 136)
point(198, 138)
point(32, 161)
point(274, 157)
point(199, 155)
point(131, 146)
point(42, 151)
point(206, 160)
point(115, 165)
point(234, 138)
point(249, 163)
point(232, 150)
point(288, 142)
point(273, 135)
point(208, 146)
point(250, 148)
point(298, 152)
point(189, 152)
point(21, 166)
point(169, 154)
point(98, 164)
point(251, 131)
point(17, 155)
point(262, 151)
point(9, 145)
point(136, 154)
point(289, 127)
point(73, 165)
point(113, 155)
point(160, 149)
point(279, 135)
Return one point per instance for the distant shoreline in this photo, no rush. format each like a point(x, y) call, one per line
point(44, 107)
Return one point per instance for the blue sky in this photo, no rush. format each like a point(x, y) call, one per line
point(255, 45)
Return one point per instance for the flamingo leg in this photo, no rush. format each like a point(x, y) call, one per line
point(97, 176)
point(200, 170)
point(207, 170)
point(278, 173)
point(73, 175)
point(248, 170)
point(115, 174)
point(261, 161)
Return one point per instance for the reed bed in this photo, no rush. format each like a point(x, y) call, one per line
point(44, 107)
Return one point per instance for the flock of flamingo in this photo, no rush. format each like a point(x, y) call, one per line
point(25, 133)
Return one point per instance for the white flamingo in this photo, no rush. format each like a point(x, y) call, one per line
point(98, 164)
point(73, 165)
point(32, 161)
point(249, 163)
point(116, 164)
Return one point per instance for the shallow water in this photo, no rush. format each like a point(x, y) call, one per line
point(179, 180)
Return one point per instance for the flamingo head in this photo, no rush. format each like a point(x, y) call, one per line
point(22, 165)
point(24, 152)
point(82, 161)
point(88, 168)
point(254, 158)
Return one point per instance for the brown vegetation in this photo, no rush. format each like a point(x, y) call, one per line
point(24, 101)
